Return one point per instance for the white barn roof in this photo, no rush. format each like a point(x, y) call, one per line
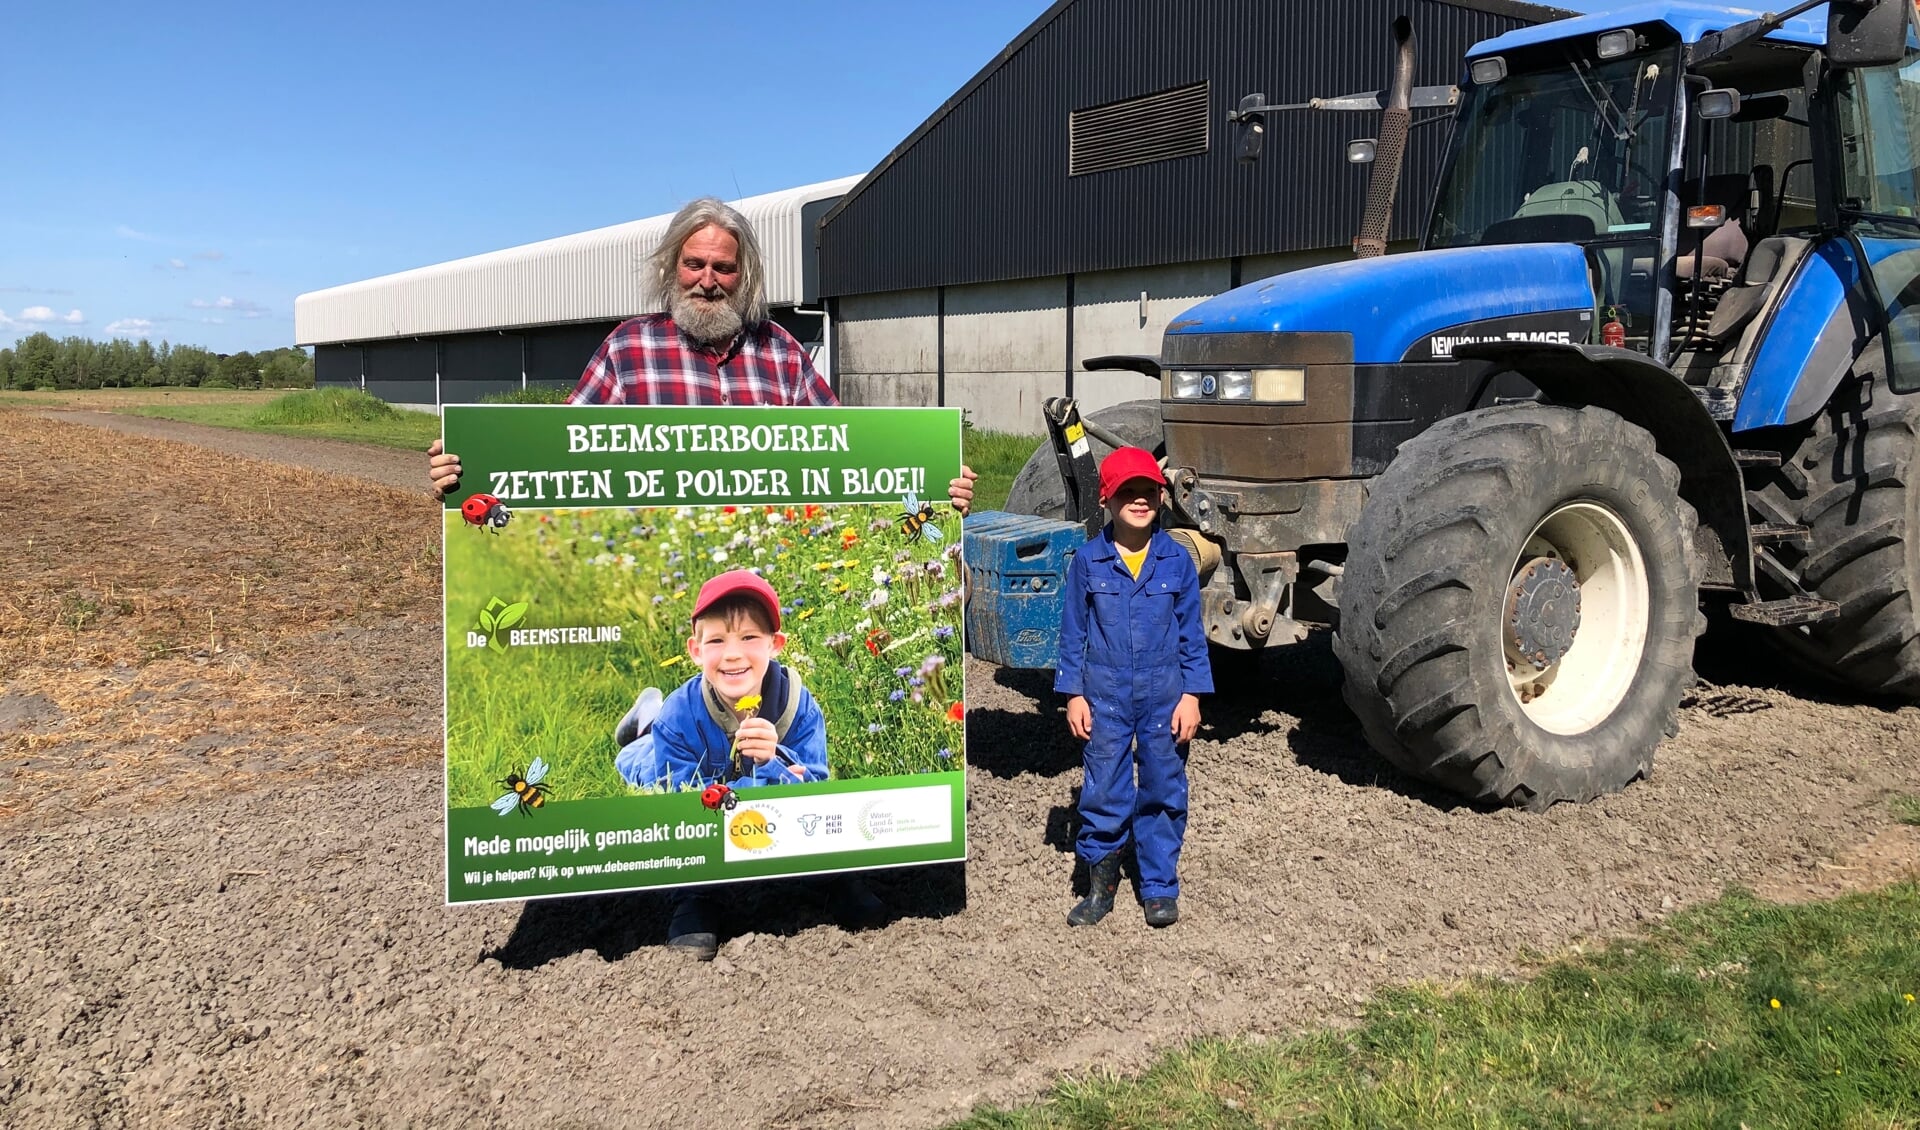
point(593, 276)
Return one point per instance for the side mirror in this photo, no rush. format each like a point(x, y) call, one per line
point(1715, 104)
point(1867, 33)
point(1361, 152)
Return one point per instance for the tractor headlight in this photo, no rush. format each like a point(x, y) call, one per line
point(1280, 386)
point(1236, 384)
point(1184, 384)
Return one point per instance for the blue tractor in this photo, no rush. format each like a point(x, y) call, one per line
point(1661, 340)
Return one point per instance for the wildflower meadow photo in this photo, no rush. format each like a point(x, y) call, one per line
point(592, 741)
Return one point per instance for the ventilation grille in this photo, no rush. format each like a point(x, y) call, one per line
point(1153, 127)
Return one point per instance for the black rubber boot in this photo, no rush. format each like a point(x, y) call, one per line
point(1164, 911)
point(692, 930)
point(1103, 879)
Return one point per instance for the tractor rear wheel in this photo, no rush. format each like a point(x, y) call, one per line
point(1520, 603)
point(1854, 481)
point(1037, 489)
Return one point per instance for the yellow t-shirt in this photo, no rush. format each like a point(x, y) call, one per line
point(1133, 561)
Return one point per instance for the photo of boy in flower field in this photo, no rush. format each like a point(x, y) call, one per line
point(843, 620)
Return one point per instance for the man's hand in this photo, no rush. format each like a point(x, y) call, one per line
point(443, 470)
point(1080, 717)
point(1186, 718)
point(960, 490)
point(757, 740)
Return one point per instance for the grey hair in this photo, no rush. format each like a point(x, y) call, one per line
point(750, 297)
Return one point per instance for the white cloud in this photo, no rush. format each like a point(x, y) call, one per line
point(44, 315)
point(177, 264)
point(34, 317)
point(246, 308)
point(212, 255)
point(125, 232)
point(130, 327)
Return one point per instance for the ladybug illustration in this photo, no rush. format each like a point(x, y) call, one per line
point(718, 796)
point(486, 511)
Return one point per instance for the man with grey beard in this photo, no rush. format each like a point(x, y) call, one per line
point(714, 344)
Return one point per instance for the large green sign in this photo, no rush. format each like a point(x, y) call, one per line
point(594, 730)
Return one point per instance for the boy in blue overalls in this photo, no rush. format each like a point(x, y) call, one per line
point(1133, 655)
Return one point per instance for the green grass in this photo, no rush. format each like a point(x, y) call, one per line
point(1738, 1013)
point(1906, 809)
point(640, 569)
point(326, 413)
point(532, 394)
point(998, 457)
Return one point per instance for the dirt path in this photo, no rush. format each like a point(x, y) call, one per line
point(402, 470)
point(223, 904)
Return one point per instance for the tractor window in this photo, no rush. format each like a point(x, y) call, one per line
point(1766, 148)
point(1880, 138)
point(1562, 149)
point(1879, 113)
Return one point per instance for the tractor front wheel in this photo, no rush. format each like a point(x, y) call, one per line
point(1520, 605)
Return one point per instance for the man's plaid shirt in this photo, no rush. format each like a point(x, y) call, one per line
point(647, 360)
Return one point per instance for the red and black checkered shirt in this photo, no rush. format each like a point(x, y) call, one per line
point(647, 360)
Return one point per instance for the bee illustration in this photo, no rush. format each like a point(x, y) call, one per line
point(486, 511)
point(917, 520)
point(719, 795)
point(527, 792)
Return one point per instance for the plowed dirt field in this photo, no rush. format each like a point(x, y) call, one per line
point(220, 825)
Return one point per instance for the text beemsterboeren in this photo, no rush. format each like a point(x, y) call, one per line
point(721, 438)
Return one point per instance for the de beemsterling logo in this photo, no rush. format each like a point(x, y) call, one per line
point(497, 617)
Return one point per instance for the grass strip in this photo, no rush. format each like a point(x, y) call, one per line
point(1737, 1013)
point(325, 413)
point(998, 457)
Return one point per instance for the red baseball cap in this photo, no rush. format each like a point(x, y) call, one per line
point(1128, 463)
point(739, 581)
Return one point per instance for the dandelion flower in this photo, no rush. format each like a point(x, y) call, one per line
point(804, 613)
point(1773, 1002)
point(672, 660)
point(1909, 998)
point(748, 702)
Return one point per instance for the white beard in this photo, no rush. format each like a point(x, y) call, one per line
point(708, 322)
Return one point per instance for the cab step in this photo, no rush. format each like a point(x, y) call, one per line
point(1777, 532)
point(1787, 613)
point(1750, 457)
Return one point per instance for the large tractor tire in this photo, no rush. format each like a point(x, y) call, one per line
point(1037, 489)
point(1854, 481)
point(1520, 603)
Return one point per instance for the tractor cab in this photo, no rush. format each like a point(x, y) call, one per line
point(1696, 170)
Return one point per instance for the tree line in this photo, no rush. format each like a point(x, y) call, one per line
point(38, 361)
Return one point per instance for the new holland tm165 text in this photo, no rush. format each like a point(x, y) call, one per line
point(1662, 339)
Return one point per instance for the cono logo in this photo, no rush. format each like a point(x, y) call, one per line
point(751, 830)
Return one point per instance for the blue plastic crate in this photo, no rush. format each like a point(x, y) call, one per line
point(1017, 567)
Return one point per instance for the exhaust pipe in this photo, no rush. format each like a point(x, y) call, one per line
point(1391, 150)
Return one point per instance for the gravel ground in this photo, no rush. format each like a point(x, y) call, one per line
point(272, 949)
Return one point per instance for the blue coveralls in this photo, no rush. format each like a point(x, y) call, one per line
point(1132, 648)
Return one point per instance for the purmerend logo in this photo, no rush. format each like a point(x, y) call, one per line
point(498, 632)
point(752, 827)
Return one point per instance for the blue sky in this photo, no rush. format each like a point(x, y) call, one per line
point(187, 170)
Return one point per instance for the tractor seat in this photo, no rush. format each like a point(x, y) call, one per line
point(1771, 260)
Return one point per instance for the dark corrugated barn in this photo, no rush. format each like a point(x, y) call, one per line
point(1084, 188)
